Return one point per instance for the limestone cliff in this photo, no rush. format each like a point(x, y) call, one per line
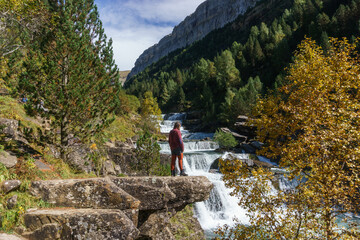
point(210, 15)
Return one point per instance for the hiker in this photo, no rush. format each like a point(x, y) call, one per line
point(177, 149)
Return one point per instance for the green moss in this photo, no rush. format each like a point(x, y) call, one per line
point(183, 225)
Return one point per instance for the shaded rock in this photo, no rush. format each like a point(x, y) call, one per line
point(157, 226)
point(84, 193)
point(4, 236)
point(78, 157)
point(124, 158)
point(257, 145)
point(11, 202)
point(42, 166)
point(8, 159)
point(10, 185)
point(247, 148)
point(87, 224)
point(153, 192)
point(242, 118)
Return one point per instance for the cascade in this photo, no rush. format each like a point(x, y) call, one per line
point(220, 208)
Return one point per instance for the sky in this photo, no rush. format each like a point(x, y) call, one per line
point(135, 25)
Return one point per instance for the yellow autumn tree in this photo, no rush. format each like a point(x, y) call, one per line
point(312, 128)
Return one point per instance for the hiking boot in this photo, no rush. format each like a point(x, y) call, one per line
point(173, 173)
point(182, 173)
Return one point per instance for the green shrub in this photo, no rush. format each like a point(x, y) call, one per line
point(225, 140)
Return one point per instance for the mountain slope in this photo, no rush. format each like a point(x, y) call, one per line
point(210, 15)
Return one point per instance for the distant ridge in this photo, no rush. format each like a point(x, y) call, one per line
point(209, 15)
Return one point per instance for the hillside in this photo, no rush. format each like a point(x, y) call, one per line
point(256, 48)
point(123, 76)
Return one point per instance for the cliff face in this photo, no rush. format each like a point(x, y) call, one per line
point(210, 15)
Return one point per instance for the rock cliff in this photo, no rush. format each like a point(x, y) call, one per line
point(210, 15)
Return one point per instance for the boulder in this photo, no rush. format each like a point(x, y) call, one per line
point(8, 159)
point(188, 190)
point(11, 202)
point(247, 148)
point(10, 185)
point(9, 127)
point(78, 157)
point(153, 192)
point(89, 224)
point(157, 226)
point(124, 157)
point(108, 168)
point(84, 193)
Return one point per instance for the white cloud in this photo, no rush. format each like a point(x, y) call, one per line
point(135, 25)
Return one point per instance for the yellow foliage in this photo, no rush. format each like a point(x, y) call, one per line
point(312, 126)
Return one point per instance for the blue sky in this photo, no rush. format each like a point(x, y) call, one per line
point(135, 25)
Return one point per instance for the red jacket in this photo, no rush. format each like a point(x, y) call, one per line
point(175, 139)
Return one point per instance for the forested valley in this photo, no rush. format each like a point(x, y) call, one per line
point(223, 73)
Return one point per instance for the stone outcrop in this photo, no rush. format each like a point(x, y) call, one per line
point(210, 15)
point(112, 207)
point(8, 159)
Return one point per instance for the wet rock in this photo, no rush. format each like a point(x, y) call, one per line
point(247, 148)
point(84, 193)
point(257, 145)
point(10, 185)
point(11, 202)
point(86, 224)
point(8, 159)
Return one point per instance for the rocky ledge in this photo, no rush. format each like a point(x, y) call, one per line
point(112, 207)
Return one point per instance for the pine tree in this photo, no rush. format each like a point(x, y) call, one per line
point(73, 72)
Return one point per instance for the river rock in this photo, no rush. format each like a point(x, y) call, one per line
point(8, 159)
point(86, 224)
point(84, 193)
point(10, 185)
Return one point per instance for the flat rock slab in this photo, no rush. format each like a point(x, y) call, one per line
point(8, 159)
point(42, 166)
point(84, 193)
point(4, 236)
point(82, 224)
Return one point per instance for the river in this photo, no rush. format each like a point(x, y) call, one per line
point(220, 208)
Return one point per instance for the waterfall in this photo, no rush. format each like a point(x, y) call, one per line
point(220, 208)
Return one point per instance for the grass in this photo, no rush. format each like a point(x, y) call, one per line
point(122, 128)
point(10, 108)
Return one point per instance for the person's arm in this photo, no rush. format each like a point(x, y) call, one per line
point(181, 142)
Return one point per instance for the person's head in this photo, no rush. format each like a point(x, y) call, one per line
point(177, 125)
